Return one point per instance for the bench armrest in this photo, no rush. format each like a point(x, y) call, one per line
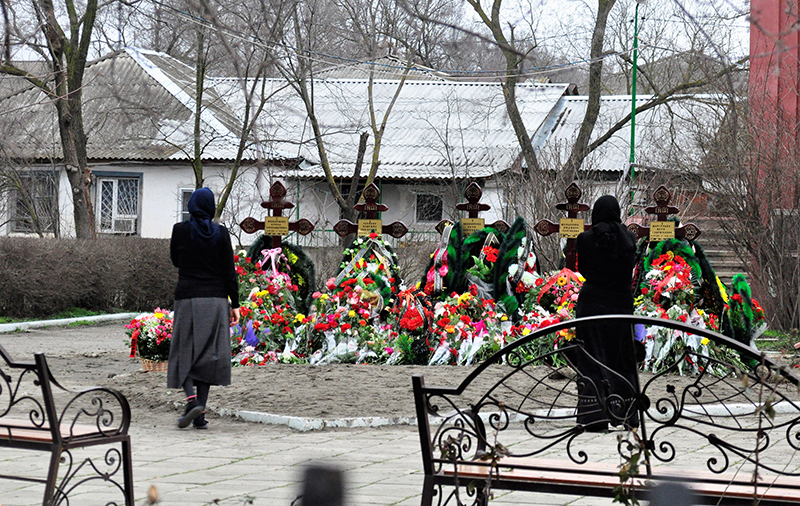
point(95, 411)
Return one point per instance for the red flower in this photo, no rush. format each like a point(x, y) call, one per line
point(683, 318)
point(539, 281)
point(346, 326)
point(465, 319)
point(491, 253)
point(363, 323)
point(736, 297)
point(373, 235)
point(443, 322)
point(645, 291)
point(235, 258)
point(473, 290)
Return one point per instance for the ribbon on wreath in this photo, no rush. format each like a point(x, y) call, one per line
point(271, 255)
point(134, 342)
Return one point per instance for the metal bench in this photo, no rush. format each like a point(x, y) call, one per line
point(30, 420)
point(730, 434)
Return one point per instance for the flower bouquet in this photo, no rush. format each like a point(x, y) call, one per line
point(667, 291)
point(466, 329)
point(150, 335)
point(345, 324)
point(409, 321)
point(549, 301)
point(270, 325)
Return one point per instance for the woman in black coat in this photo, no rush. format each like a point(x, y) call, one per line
point(200, 349)
point(609, 380)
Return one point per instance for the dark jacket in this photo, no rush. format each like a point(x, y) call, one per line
point(204, 270)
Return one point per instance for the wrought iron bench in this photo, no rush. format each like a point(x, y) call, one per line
point(30, 420)
point(730, 433)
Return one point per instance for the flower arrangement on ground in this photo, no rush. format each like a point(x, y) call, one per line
point(466, 329)
point(270, 328)
point(410, 321)
point(347, 324)
point(667, 291)
point(150, 334)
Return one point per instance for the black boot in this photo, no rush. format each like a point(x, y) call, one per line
point(200, 422)
point(192, 411)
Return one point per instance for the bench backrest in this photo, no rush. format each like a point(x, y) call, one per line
point(35, 409)
point(741, 409)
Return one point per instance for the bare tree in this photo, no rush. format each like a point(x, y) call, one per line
point(65, 49)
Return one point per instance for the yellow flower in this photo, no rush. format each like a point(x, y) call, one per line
point(704, 341)
point(299, 317)
point(561, 281)
point(351, 314)
point(292, 257)
point(324, 296)
point(465, 297)
point(666, 268)
point(450, 329)
point(503, 318)
point(262, 293)
point(581, 278)
point(526, 331)
point(159, 315)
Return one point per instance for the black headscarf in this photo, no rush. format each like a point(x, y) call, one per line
point(611, 235)
point(202, 209)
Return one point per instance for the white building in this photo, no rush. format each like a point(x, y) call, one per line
point(440, 135)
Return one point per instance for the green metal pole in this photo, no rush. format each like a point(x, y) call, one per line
point(633, 101)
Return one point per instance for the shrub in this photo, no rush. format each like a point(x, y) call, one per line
point(42, 277)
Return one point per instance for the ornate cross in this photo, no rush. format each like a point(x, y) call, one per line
point(276, 225)
point(372, 223)
point(473, 206)
point(568, 227)
point(661, 229)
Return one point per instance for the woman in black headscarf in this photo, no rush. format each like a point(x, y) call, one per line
point(200, 349)
point(606, 257)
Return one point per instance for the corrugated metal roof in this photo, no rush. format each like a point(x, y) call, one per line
point(665, 135)
point(137, 105)
point(436, 130)
point(386, 67)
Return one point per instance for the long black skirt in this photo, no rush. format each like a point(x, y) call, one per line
point(608, 378)
point(201, 342)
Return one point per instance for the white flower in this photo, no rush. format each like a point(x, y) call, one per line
point(513, 270)
point(528, 278)
point(531, 260)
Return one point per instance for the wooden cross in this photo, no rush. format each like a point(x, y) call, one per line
point(661, 229)
point(276, 225)
point(473, 206)
point(568, 227)
point(372, 223)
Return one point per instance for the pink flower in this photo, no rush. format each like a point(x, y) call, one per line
point(388, 350)
point(316, 295)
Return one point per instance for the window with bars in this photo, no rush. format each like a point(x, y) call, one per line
point(35, 202)
point(429, 207)
point(118, 205)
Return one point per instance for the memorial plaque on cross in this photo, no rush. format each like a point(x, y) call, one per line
point(568, 227)
point(473, 206)
point(372, 223)
point(277, 225)
point(662, 229)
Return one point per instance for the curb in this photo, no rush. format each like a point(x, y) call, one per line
point(302, 424)
point(13, 327)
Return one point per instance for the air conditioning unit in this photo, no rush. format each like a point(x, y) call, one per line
point(124, 226)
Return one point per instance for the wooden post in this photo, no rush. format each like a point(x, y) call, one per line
point(661, 229)
point(473, 206)
point(372, 223)
point(568, 227)
point(276, 225)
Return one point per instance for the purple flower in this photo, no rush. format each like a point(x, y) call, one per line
point(250, 336)
point(639, 332)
